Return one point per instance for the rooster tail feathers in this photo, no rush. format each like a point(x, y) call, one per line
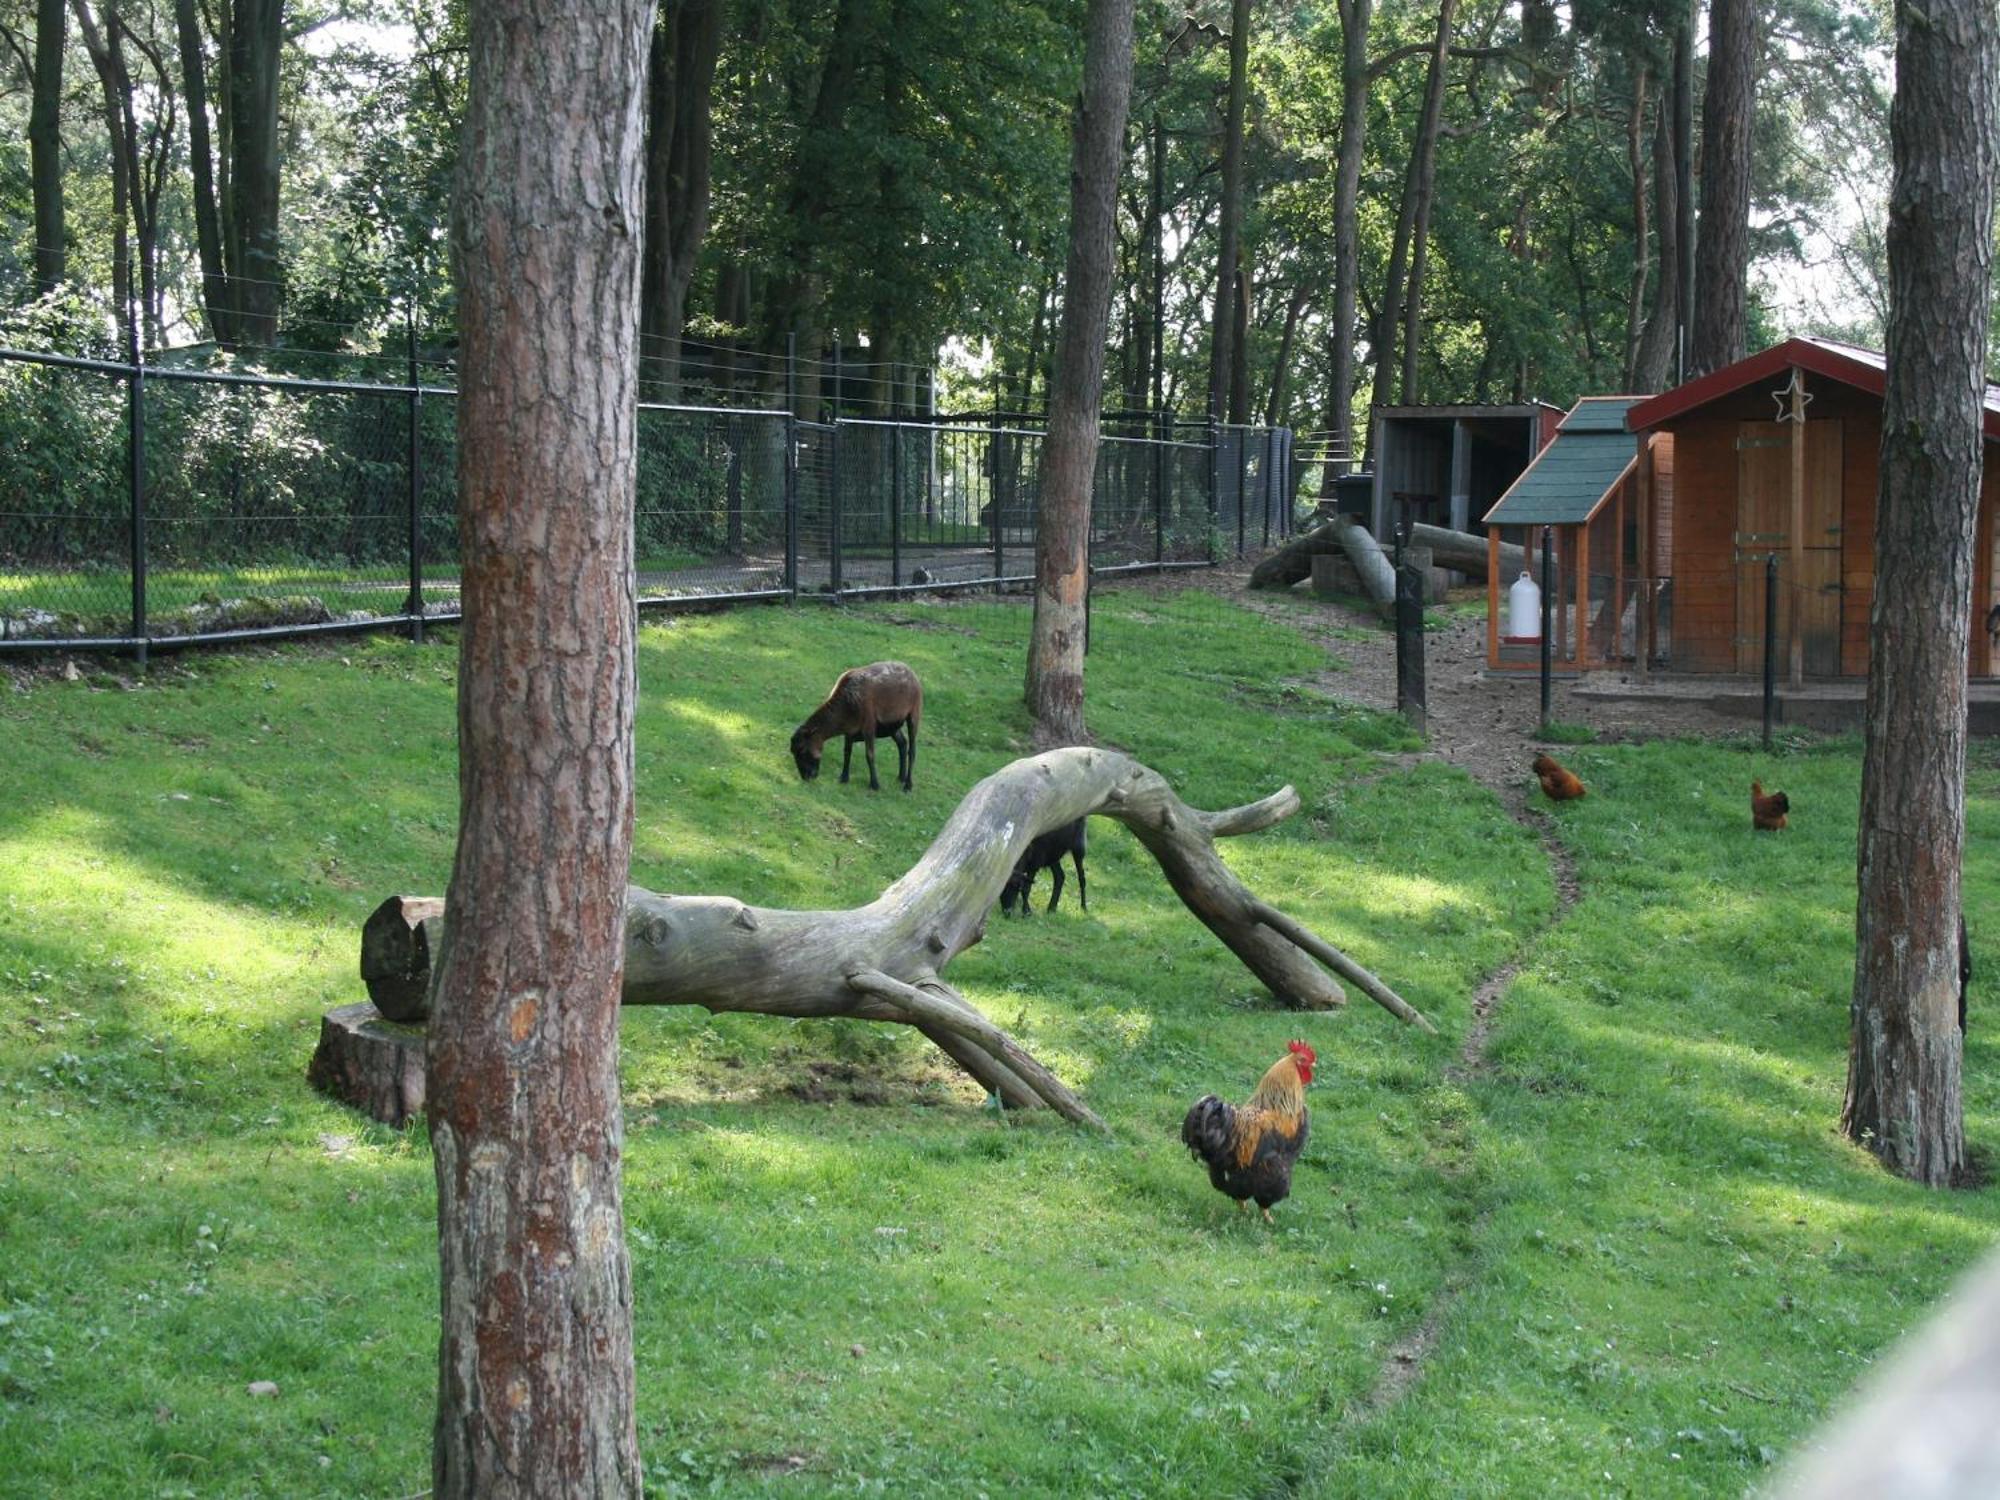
point(1208, 1129)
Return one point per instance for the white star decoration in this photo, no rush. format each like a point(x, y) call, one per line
point(1793, 392)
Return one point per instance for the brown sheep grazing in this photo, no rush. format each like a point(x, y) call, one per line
point(883, 698)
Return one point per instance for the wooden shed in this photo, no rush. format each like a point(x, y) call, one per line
point(1607, 512)
point(1777, 455)
point(1444, 465)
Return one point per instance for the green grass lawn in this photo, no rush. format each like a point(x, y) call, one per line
point(1657, 1265)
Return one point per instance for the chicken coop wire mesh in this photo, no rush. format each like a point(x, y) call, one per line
point(264, 505)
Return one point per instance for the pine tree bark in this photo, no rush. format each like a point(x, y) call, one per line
point(45, 144)
point(1076, 395)
point(685, 48)
point(535, 1368)
point(1905, 1049)
point(1722, 258)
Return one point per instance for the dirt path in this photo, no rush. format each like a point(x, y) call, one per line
point(1487, 729)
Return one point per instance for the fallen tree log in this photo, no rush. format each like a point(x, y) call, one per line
point(1462, 551)
point(1378, 579)
point(883, 961)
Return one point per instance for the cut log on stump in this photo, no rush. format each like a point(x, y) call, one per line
point(373, 1064)
point(1462, 551)
point(882, 962)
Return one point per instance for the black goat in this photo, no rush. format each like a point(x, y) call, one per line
point(1046, 853)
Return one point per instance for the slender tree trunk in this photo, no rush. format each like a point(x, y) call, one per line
point(1635, 162)
point(1653, 361)
point(1355, 16)
point(1239, 351)
point(535, 1370)
point(815, 176)
point(1222, 347)
point(1281, 367)
point(1723, 255)
point(201, 164)
point(256, 35)
point(1416, 191)
point(45, 143)
point(1684, 178)
point(97, 45)
point(685, 47)
point(1905, 1049)
point(1069, 451)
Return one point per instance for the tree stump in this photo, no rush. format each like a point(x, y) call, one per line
point(372, 1064)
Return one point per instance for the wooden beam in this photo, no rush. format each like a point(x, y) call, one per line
point(1582, 598)
point(1642, 613)
point(1798, 528)
point(1618, 573)
point(1493, 604)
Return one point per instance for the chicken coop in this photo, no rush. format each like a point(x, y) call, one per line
point(1606, 507)
point(1777, 458)
point(1444, 465)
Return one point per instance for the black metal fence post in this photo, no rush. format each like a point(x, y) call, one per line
point(135, 448)
point(835, 511)
point(792, 466)
point(1548, 595)
point(1410, 643)
point(1242, 462)
point(994, 452)
point(1270, 478)
point(1214, 485)
point(1770, 644)
point(896, 505)
point(1163, 430)
point(414, 606)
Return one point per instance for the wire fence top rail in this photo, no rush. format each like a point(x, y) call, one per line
point(150, 506)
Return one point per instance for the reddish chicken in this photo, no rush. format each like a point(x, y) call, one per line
point(1558, 783)
point(1768, 813)
point(1250, 1148)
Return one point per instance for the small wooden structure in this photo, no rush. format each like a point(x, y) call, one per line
point(1778, 457)
point(1444, 465)
point(1608, 513)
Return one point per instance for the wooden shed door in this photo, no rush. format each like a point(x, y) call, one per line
point(1763, 526)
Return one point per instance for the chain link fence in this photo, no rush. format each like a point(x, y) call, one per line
point(143, 506)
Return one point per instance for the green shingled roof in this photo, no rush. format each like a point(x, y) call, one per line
point(1568, 478)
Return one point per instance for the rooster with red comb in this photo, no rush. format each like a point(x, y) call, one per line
point(1250, 1148)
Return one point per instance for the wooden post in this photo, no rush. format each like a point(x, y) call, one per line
point(1642, 610)
point(1582, 597)
point(1798, 527)
point(1493, 597)
point(1617, 636)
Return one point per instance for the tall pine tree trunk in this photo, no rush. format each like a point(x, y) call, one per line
point(1076, 394)
point(535, 1371)
point(1222, 346)
point(1653, 360)
point(1389, 314)
point(45, 144)
point(215, 296)
point(1722, 258)
point(256, 36)
point(685, 47)
point(1905, 1049)
point(1355, 16)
